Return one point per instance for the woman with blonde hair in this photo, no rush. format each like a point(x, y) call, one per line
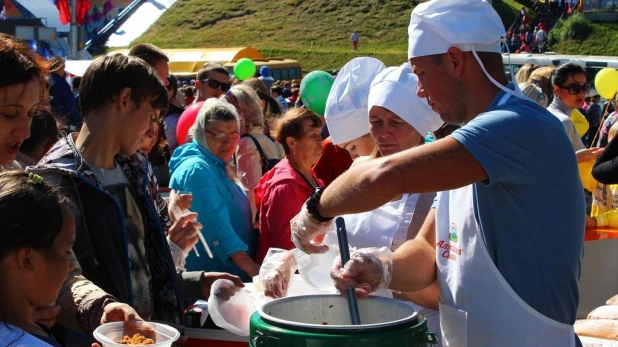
point(523, 74)
point(270, 107)
point(535, 93)
point(541, 78)
point(256, 152)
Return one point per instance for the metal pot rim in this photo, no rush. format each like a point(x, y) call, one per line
point(413, 317)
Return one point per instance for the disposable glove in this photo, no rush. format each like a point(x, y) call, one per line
point(368, 271)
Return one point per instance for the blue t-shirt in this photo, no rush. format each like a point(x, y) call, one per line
point(531, 210)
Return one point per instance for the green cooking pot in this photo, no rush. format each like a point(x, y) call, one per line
point(324, 321)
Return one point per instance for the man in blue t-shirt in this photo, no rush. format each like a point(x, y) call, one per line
point(505, 240)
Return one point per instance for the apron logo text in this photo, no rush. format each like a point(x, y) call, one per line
point(450, 252)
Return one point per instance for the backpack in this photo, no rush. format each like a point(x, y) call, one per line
point(267, 164)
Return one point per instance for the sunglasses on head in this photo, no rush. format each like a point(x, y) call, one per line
point(214, 84)
point(575, 89)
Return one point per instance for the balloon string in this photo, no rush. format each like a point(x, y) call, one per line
point(605, 114)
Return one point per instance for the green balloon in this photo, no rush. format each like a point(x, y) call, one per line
point(314, 90)
point(244, 68)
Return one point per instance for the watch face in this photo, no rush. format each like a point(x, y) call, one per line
point(314, 196)
point(312, 204)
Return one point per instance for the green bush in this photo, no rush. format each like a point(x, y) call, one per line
point(576, 27)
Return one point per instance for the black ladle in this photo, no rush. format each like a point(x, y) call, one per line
point(342, 237)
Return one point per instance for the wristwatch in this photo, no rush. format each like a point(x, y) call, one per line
point(312, 205)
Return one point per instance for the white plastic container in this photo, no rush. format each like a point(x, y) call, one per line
point(165, 335)
point(315, 268)
point(233, 314)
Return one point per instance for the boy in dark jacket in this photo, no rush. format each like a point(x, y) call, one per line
point(121, 244)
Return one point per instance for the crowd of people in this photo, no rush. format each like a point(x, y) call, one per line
point(440, 162)
point(530, 35)
point(286, 93)
point(526, 35)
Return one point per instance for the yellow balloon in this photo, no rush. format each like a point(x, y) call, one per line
point(606, 82)
point(580, 122)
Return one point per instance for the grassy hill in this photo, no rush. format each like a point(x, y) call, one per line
point(314, 32)
point(602, 40)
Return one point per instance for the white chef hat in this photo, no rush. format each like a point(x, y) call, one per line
point(346, 111)
point(437, 25)
point(395, 89)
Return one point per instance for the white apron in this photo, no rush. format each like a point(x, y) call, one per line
point(378, 228)
point(477, 306)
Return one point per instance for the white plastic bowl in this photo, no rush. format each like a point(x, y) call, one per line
point(234, 313)
point(165, 335)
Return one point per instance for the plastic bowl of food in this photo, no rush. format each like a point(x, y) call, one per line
point(118, 334)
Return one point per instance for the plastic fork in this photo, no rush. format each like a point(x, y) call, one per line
point(178, 213)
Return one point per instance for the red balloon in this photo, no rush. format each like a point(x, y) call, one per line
point(186, 121)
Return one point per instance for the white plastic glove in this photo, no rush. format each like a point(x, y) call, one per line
point(276, 273)
point(307, 233)
point(368, 270)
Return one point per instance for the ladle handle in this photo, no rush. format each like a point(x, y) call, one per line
point(342, 237)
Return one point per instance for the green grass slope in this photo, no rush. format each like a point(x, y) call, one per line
point(314, 32)
point(603, 40)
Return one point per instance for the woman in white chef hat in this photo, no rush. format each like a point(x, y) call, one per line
point(398, 120)
point(346, 106)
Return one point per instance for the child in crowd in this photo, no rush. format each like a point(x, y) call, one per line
point(35, 253)
point(36, 256)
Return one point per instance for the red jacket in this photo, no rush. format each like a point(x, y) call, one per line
point(333, 162)
point(279, 197)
